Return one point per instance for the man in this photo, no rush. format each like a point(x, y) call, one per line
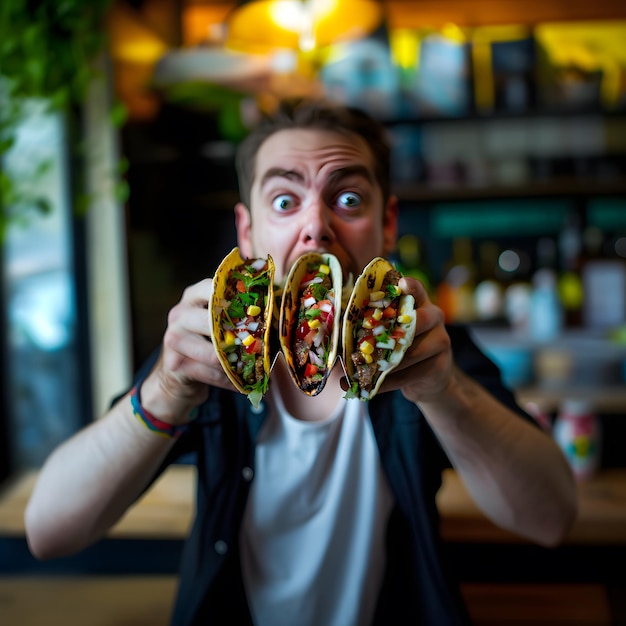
point(312, 510)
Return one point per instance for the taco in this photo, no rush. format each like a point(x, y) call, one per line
point(240, 312)
point(378, 327)
point(309, 314)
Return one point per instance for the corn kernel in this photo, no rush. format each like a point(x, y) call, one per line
point(229, 338)
point(248, 341)
point(397, 291)
point(367, 323)
point(366, 347)
point(377, 314)
point(376, 295)
point(404, 319)
point(368, 358)
point(314, 323)
point(253, 310)
point(324, 269)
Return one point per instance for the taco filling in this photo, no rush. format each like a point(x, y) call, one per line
point(313, 328)
point(243, 323)
point(377, 334)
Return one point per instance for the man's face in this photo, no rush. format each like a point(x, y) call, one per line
point(315, 190)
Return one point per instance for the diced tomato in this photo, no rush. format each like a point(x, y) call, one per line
point(310, 370)
point(389, 312)
point(308, 276)
point(397, 333)
point(303, 330)
point(255, 347)
point(310, 337)
point(241, 288)
point(369, 338)
point(371, 322)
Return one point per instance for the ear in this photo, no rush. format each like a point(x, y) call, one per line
point(390, 225)
point(243, 223)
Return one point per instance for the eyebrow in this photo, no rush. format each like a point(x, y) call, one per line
point(279, 172)
point(334, 177)
point(350, 171)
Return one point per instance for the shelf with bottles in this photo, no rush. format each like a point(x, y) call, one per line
point(578, 364)
point(547, 303)
point(522, 156)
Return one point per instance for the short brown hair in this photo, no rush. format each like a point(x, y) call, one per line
point(315, 114)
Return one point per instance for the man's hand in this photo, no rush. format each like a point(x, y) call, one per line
point(426, 369)
point(188, 364)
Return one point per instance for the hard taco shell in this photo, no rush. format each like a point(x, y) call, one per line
point(289, 311)
point(370, 280)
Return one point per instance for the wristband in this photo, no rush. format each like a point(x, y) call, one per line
point(149, 421)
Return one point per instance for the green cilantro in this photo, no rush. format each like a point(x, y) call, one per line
point(250, 280)
point(392, 291)
point(353, 392)
point(317, 291)
point(239, 304)
point(312, 313)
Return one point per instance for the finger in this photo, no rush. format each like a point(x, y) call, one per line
point(199, 293)
point(414, 287)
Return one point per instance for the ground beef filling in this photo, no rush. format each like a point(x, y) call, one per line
point(301, 348)
point(366, 372)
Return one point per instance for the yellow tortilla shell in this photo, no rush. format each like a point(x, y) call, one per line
point(371, 279)
point(217, 304)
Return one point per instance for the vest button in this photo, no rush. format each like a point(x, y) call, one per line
point(221, 547)
point(247, 474)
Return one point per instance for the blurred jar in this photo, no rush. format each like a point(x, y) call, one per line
point(577, 431)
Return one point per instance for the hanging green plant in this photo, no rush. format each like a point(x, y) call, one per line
point(47, 48)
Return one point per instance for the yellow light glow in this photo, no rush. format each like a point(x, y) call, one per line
point(300, 25)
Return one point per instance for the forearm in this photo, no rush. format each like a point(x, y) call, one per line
point(513, 470)
point(89, 482)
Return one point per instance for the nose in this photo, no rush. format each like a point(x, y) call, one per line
point(317, 230)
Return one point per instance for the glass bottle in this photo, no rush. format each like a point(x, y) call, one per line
point(577, 431)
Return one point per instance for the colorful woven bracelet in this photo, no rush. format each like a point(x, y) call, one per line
point(149, 421)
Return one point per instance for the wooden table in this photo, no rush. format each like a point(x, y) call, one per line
point(165, 512)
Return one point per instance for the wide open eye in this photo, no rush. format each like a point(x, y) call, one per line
point(349, 200)
point(284, 202)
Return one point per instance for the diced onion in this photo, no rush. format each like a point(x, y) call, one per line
point(386, 345)
point(309, 302)
point(253, 326)
point(232, 357)
point(379, 329)
point(365, 394)
point(382, 365)
point(258, 264)
point(313, 281)
point(327, 307)
point(377, 304)
point(314, 358)
point(402, 341)
point(318, 337)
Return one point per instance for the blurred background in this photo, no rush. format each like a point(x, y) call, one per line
point(119, 120)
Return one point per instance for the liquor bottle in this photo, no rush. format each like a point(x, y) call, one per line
point(489, 292)
point(455, 293)
point(412, 259)
point(577, 431)
point(570, 286)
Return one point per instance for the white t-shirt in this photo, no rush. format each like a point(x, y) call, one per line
point(313, 533)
